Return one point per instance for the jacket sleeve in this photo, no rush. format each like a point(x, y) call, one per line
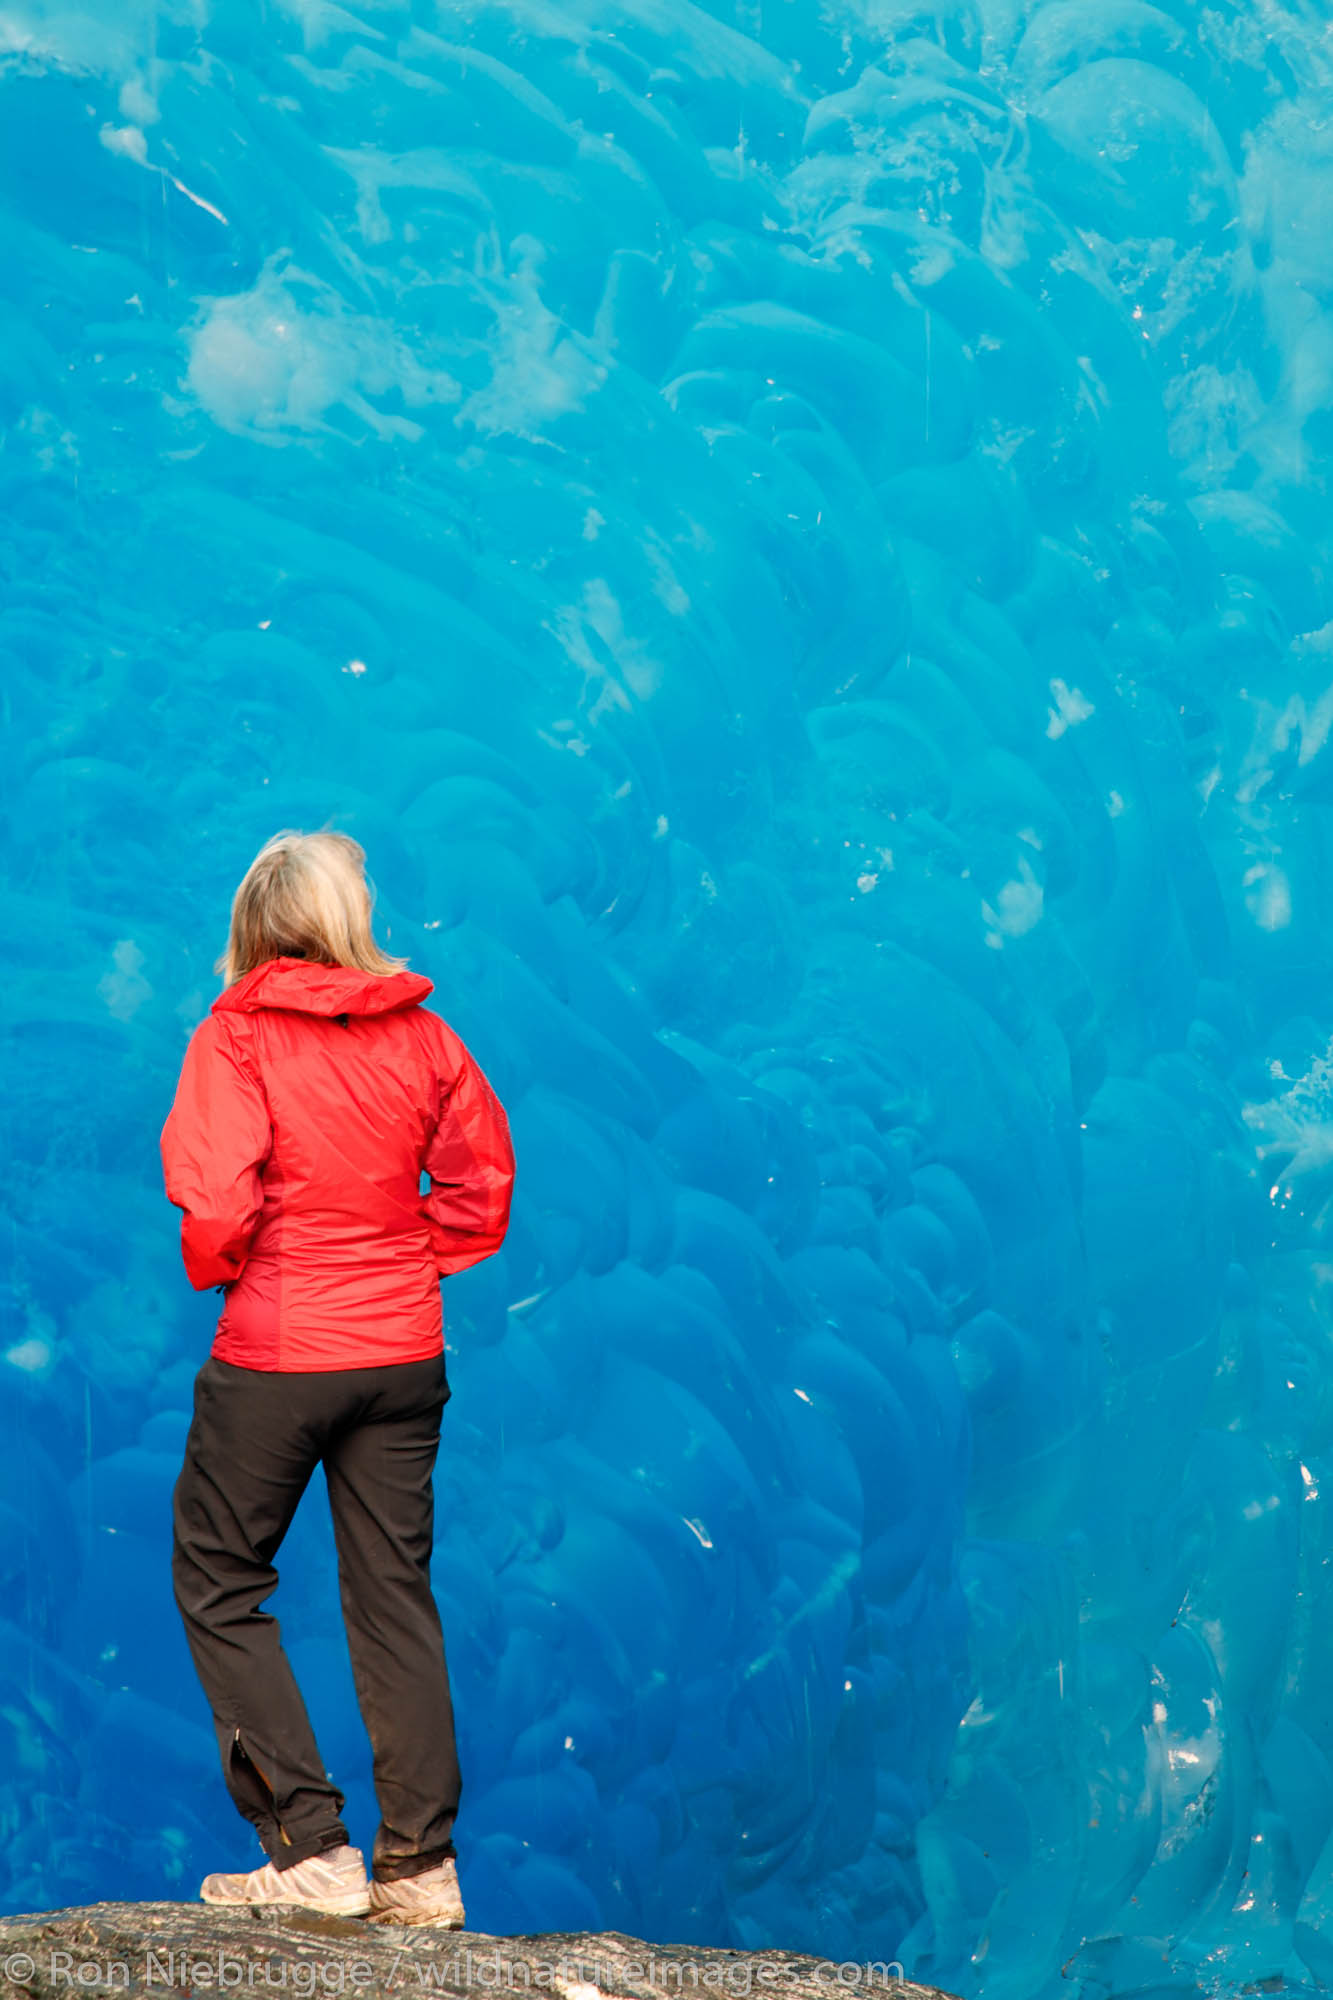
point(470, 1160)
point(214, 1144)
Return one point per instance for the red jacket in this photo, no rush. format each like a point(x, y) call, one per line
point(310, 1100)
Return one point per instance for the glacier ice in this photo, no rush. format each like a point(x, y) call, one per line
point(797, 536)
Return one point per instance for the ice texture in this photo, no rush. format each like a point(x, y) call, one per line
point(796, 534)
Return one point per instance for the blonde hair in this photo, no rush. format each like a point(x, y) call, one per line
point(305, 895)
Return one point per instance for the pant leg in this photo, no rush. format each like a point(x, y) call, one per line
point(379, 1473)
point(253, 1443)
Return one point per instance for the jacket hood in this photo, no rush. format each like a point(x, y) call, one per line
point(308, 988)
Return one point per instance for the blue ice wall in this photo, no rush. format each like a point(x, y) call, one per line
point(796, 535)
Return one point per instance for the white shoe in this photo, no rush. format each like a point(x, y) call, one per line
point(334, 1882)
point(432, 1898)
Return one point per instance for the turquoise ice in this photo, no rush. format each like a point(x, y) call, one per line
point(797, 535)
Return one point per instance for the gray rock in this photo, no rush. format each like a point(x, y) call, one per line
point(176, 1948)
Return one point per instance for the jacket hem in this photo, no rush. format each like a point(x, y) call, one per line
point(324, 1361)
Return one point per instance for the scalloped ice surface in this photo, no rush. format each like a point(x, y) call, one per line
point(796, 535)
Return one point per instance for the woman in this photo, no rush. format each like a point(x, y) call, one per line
point(311, 1100)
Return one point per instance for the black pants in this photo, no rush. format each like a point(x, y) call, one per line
point(256, 1438)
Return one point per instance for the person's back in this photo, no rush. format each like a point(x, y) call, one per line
point(310, 1101)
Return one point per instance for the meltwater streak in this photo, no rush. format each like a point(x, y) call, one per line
point(797, 538)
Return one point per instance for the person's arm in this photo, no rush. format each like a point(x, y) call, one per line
point(470, 1160)
point(214, 1143)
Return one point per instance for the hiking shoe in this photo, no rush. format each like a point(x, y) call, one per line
point(334, 1882)
point(432, 1898)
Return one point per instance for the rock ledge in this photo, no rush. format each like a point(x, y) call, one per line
point(175, 1948)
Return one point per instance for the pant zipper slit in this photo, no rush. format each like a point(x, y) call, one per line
point(263, 1779)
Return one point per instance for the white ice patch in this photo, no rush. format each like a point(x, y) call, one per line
point(1071, 705)
point(642, 672)
point(126, 139)
point(1304, 717)
point(1294, 1129)
point(137, 102)
point(1268, 896)
point(278, 359)
point(1018, 906)
point(124, 989)
point(30, 1355)
point(593, 637)
point(130, 143)
point(539, 371)
point(666, 584)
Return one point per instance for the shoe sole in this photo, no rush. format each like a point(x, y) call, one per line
point(324, 1906)
point(442, 1920)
